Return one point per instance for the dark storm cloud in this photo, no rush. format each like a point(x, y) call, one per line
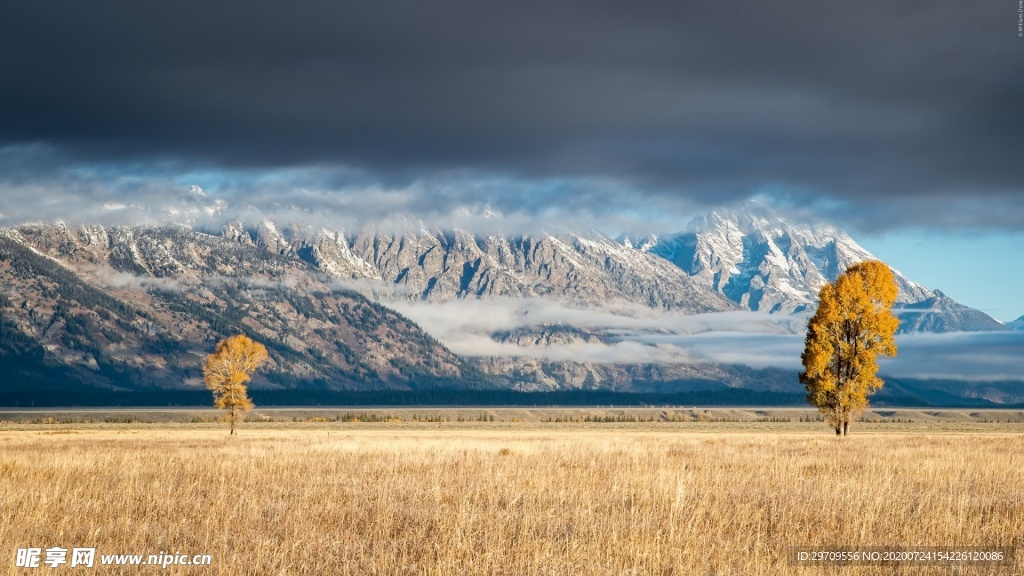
point(895, 112)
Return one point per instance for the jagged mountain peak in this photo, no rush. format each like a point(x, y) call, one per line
point(746, 217)
point(764, 262)
point(940, 313)
point(756, 219)
point(642, 242)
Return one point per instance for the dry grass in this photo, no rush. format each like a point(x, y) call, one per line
point(556, 499)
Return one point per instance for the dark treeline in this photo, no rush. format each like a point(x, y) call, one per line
point(201, 398)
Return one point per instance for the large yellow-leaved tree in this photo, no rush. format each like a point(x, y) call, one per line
point(852, 327)
point(228, 369)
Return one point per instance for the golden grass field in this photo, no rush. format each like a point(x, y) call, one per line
point(507, 497)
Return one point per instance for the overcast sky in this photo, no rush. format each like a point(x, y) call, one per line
point(900, 120)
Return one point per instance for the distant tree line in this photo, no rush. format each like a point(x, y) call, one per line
point(43, 397)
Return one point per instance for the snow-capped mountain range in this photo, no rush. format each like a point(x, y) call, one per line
point(746, 259)
point(447, 265)
point(742, 258)
point(757, 259)
point(762, 262)
point(130, 306)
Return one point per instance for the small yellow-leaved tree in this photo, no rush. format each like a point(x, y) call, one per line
point(228, 370)
point(854, 324)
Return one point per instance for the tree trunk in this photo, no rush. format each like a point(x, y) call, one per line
point(232, 419)
point(839, 431)
point(846, 428)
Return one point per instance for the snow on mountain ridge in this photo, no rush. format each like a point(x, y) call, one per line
point(725, 260)
point(444, 265)
point(763, 262)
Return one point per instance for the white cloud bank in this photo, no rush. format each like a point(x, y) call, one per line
point(640, 335)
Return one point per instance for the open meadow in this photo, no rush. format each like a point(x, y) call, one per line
point(518, 495)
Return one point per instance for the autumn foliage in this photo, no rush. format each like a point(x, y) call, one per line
point(228, 370)
point(854, 324)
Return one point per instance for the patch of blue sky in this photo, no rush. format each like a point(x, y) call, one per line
point(980, 269)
